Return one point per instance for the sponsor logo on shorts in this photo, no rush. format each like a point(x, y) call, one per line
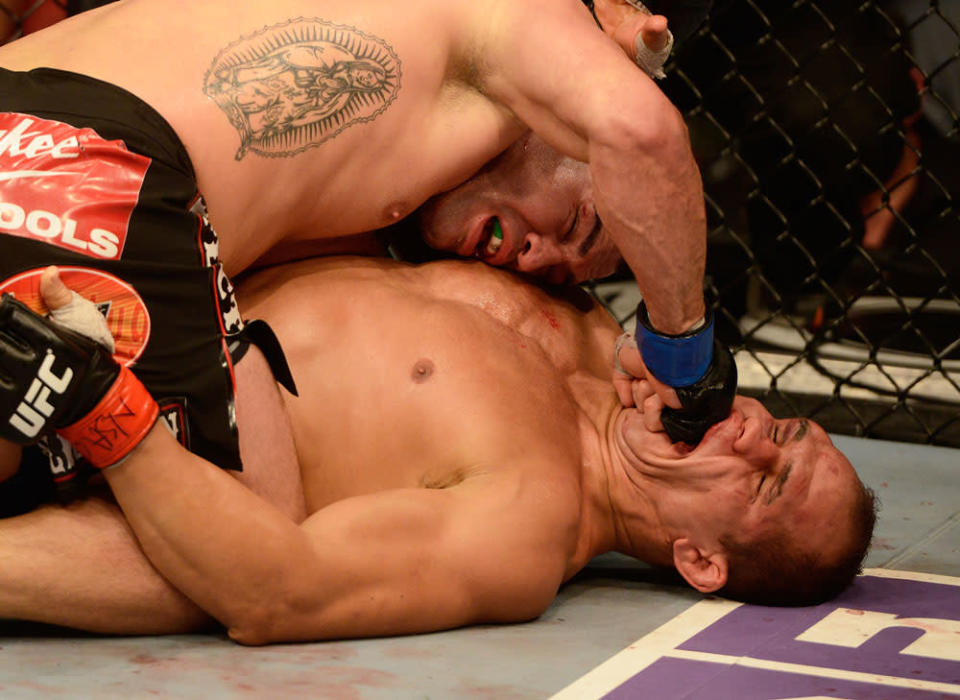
point(126, 313)
point(61, 456)
point(229, 312)
point(173, 413)
point(66, 186)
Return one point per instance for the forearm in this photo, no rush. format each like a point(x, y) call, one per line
point(650, 197)
point(658, 218)
point(595, 105)
point(400, 561)
point(221, 545)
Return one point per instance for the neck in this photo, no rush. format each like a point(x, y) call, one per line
point(637, 496)
point(619, 511)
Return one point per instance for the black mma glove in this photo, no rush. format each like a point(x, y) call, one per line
point(52, 378)
point(704, 403)
point(699, 368)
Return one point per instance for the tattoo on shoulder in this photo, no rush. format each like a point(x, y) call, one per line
point(294, 85)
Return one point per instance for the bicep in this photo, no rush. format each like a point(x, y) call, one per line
point(551, 64)
point(415, 560)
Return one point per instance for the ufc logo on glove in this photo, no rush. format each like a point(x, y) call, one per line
point(35, 408)
point(101, 408)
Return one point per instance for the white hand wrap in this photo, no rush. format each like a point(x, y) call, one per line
point(624, 339)
point(640, 6)
point(82, 316)
point(651, 62)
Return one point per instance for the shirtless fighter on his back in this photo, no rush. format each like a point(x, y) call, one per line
point(462, 453)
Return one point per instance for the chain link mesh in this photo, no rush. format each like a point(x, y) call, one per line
point(19, 17)
point(828, 138)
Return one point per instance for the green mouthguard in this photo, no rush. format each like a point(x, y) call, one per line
point(497, 231)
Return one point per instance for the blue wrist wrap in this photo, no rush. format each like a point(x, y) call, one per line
point(676, 360)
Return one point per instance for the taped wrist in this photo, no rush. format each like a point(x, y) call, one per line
point(116, 425)
point(82, 316)
point(652, 62)
point(675, 360)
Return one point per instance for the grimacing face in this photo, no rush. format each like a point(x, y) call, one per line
point(753, 473)
point(530, 210)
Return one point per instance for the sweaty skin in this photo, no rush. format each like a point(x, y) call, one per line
point(508, 464)
point(302, 119)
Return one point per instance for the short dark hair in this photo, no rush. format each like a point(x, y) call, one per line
point(774, 570)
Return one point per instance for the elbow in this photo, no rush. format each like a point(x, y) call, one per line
point(653, 129)
point(272, 619)
point(252, 627)
point(258, 622)
point(247, 637)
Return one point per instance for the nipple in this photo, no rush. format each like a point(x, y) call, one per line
point(395, 211)
point(422, 370)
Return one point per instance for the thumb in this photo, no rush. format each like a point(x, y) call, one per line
point(69, 309)
point(54, 292)
point(654, 33)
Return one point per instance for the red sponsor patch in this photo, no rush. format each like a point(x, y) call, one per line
point(126, 314)
point(67, 186)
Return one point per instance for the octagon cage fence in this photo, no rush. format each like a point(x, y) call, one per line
point(829, 144)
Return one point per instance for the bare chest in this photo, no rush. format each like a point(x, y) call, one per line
point(425, 408)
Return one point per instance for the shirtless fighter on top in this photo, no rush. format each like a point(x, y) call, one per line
point(307, 127)
point(462, 452)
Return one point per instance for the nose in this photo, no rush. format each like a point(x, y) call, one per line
point(756, 445)
point(539, 254)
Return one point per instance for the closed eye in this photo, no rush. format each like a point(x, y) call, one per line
point(573, 227)
point(592, 237)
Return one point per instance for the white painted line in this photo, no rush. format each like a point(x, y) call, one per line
point(643, 652)
point(913, 576)
point(817, 671)
point(663, 643)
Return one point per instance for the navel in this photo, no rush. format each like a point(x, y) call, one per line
point(422, 370)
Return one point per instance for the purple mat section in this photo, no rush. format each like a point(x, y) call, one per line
point(676, 679)
point(769, 634)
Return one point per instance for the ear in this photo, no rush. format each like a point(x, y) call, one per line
point(706, 571)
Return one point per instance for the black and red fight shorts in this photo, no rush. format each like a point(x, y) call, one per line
point(95, 181)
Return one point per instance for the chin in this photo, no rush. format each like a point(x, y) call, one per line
point(439, 229)
point(427, 222)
